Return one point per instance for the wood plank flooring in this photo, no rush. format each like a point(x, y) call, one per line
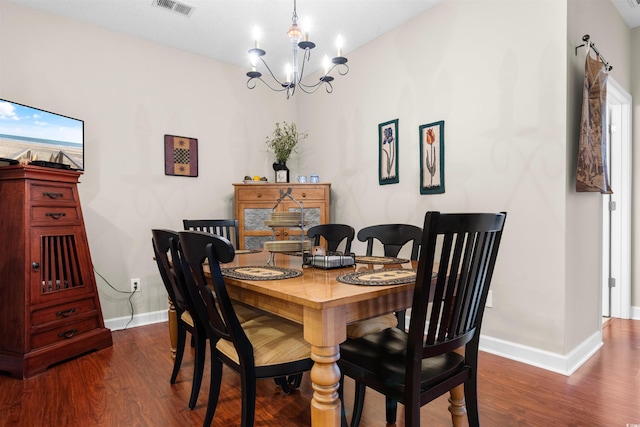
point(128, 385)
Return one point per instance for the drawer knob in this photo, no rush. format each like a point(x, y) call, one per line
point(52, 195)
point(35, 266)
point(55, 215)
point(259, 195)
point(66, 313)
point(68, 334)
point(304, 194)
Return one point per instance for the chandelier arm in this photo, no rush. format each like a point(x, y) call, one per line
point(275, 89)
point(271, 72)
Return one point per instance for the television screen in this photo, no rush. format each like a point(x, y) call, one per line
point(29, 134)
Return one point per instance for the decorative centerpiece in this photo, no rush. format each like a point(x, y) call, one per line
point(284, 142)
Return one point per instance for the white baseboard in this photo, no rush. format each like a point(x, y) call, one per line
point(635, 313)
point(561, 364)
point(142, 319)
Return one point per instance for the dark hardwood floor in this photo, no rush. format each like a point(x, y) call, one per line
point(128, 385)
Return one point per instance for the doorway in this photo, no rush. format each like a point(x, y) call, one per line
point(616, 207)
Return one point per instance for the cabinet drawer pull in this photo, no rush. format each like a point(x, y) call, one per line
point(66, 313)
point(259, 195)
point(304, 194)
point(52, 195)
point(56, 215)
point(68, 334)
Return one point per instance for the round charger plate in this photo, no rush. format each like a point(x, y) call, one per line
point(247, 251)
point(363, 259)
point(260, 272)
point(380, 277)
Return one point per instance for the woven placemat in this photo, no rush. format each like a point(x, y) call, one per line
point(363, 259)
point(260, 272)
point(380, 277)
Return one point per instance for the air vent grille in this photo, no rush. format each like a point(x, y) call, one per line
point(174, 6)
point(634, 3)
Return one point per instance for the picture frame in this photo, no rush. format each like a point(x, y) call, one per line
point(180, 156)
point(282, 175)
point(432, 158)
point(388, 152)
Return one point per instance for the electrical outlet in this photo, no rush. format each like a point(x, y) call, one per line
point(135, 285)
point(489, 299)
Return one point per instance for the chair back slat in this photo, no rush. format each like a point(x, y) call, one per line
point(227, 228)
point(161, 242)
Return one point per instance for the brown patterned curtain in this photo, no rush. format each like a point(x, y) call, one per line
point(592, 174)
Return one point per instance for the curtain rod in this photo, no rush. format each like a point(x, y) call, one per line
point(586, 38)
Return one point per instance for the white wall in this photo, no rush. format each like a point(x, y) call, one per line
point(130, 93)
point(635, 209)
point(486, 68)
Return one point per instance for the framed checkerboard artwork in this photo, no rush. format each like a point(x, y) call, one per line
point(180, 156)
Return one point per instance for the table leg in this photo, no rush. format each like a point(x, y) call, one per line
point(325, 378)
point(325, 330)
point(457, 406)
point(173, 328)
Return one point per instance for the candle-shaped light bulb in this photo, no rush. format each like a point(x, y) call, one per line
point(256, 36)
point(253, 59)
point(339, 43)
point(287, 71)
point(306, 27)
point(326, 63)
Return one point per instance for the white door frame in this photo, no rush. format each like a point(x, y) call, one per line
point(616, 247)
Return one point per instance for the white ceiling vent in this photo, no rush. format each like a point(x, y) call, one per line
point(634, 3)
point(174, 6)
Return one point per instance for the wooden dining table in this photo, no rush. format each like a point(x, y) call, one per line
point(324, 306)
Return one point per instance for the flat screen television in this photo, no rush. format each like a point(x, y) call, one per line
point(29, 134)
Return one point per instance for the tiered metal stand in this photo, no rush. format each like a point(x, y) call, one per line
point(274, 224)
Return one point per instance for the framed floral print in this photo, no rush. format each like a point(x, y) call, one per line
point(388, 152)
point(432, 158)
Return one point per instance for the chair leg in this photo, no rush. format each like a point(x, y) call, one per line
point(401, 316)
point(295, 380)
point(284, 384)
point(471, 397)
point(198, 368)
point(358, 404)
point(214, 387)
point(391, 410)
point(248, 398)
point(182, 336)
point(343, 414)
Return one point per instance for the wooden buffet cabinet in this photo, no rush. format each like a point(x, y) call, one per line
point(49, 305)
point(255, 202)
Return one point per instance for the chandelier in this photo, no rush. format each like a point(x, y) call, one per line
point(294, 72)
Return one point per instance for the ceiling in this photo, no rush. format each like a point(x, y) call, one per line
point(222, 29)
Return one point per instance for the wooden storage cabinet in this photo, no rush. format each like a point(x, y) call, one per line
point(254, 204)
point(49, 305)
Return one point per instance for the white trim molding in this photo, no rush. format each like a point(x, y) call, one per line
point(143, 319)
point(562, 364)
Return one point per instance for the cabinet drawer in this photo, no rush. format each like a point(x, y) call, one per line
point(271, 194)
point(63, 311)
point(54, 215)
point(64, 332)
point(52, 193)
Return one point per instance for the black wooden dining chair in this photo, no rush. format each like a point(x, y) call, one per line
point(227, 228)
point(162, 241)
point(264, 347)
point(417, 366)
point(393, 237)
point(334, 235)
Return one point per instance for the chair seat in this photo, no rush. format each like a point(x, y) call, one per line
point(382, 355)
point(186, 318)
point(274, 340)
point(369, 326)
point(246, 312)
